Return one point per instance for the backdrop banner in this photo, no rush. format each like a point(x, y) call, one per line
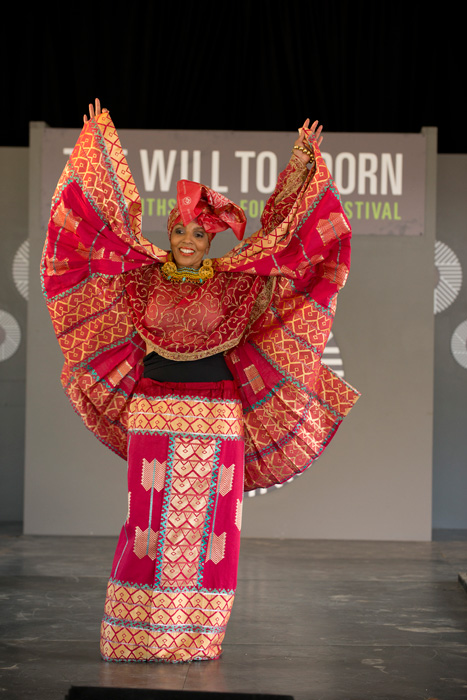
point(381, 177)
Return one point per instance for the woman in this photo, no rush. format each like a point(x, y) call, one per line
point(205, 375)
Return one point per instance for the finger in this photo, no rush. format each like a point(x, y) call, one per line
point(91, 111)
point(98, 106)
point(304, 129)
point(85, 118)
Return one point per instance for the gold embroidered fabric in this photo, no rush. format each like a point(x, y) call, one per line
point(187, 321)
point(269, 307)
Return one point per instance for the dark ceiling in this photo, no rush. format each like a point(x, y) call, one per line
point(356, 66)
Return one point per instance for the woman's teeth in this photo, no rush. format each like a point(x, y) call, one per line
point(186, 251)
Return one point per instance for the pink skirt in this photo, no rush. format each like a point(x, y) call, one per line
point(174, 573)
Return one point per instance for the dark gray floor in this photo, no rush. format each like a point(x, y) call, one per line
point(321, 620)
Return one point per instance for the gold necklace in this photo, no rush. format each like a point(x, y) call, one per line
point(187, 274)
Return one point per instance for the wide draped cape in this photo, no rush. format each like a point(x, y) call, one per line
point(269, 307)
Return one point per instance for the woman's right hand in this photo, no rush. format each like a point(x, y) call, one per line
point(95, 113)
point(302, 148)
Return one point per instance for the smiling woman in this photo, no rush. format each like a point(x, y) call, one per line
point(189, 244)
point(205, 375)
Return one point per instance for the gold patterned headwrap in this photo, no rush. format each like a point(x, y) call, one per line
point(211, 210)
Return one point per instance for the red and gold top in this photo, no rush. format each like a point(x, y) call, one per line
point(186, 321)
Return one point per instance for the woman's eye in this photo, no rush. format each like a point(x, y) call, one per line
point(199, 234)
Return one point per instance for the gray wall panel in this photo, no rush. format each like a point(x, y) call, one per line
point(450, 383)
point(14, 165)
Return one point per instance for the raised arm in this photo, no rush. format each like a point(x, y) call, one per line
point(291, 179)
point(302, 147)
point(303, 226)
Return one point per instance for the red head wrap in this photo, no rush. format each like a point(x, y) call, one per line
point(211, 210)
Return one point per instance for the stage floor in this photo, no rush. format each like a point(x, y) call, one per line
point(318, 620)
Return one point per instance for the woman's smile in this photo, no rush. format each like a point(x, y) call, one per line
point(189, 244)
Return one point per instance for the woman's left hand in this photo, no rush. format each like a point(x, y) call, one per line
point(302, 142)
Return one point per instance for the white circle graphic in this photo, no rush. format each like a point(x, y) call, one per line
point(10, 335)
point(20, 269)
point(449, 276)
point(332, 358)
point(459, 344)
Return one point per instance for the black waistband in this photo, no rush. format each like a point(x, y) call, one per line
point(209, 369)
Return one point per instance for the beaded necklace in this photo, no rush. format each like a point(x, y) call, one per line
point(187, 274)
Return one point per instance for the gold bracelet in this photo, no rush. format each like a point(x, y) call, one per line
point(307, 152)
point(302, 148)
point(310, 155)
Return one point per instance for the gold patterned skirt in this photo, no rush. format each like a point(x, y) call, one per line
point(174, 573)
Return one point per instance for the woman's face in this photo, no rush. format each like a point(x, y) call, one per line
point(189, 244)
